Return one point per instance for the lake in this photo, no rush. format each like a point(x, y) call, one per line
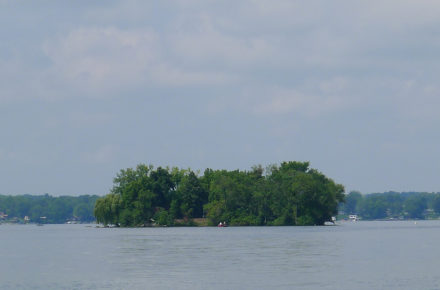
point(351, 255)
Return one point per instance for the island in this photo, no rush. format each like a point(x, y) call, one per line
point(291, 193)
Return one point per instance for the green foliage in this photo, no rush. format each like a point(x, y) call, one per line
point(393, 205)
point(351, 202)
point(415, 206)
point(215, 211)
point(289, 194)
point(138, 195)
point(175, 211)
point(305, 221)
point(163, 218)
point(373, 207)
point(436, 204)
point(55, 209)
point(192, 196)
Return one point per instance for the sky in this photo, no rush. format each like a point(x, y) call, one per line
point(88, 88)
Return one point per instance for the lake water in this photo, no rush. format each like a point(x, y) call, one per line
point(359, 255)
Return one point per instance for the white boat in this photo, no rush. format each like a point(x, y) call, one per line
point(353, 217)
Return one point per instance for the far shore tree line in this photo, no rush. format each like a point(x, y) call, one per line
point(47, 209)
point(287, 194)
point(392, 205)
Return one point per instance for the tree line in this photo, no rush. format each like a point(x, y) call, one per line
point(392, 205)
point(287, 194)
point(52, 209)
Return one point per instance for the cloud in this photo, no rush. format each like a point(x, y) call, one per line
point(286, 101)
point(107, 60)
point(104, 154)
point(417, 101)
point(102, 57)
point(209, 46)
point(278, 75)
point(17, 80)
point(199, 44)
point(168, 75)
point(81, 119)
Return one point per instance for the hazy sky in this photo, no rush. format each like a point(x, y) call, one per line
point(90, 87)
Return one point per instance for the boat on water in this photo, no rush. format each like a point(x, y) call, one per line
point(353, 217)
point(222, 225)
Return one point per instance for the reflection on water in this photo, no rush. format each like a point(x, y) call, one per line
point(361, 255)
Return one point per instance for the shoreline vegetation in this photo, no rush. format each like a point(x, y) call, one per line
point(42, 209)
point(391, 206)
point(291, 193)
point(287, 194)
point(194, 222)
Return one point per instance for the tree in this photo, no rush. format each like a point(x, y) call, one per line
point(351, 202)
point(303, 196)
point(373, 206)
point(136, 196)
point(161, 186)
point(289, 194)
point(192, 196)
point(436, 203)
point(415, 206)
point(108, 208)
point(82, 212)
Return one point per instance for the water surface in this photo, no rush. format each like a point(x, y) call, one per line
point(361, 255)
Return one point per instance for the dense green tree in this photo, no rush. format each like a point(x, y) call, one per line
point(415, 206)
point(82, 212)
point(391, 205)
point(161, 185)
point(192, 196)
point(436, 203)
point(107, 209)
point(138, 195)
point(351, 202)
point(55, 209)
point(373, 206)
point(289, 194)
point(303, 196)
point(216, 211)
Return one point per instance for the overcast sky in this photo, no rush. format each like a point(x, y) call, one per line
point(90, 87)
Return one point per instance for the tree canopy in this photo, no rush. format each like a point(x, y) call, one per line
point(392, 205)
point(287, 194)
point(54, 209)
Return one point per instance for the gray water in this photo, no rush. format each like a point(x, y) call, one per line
point(360, 255)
